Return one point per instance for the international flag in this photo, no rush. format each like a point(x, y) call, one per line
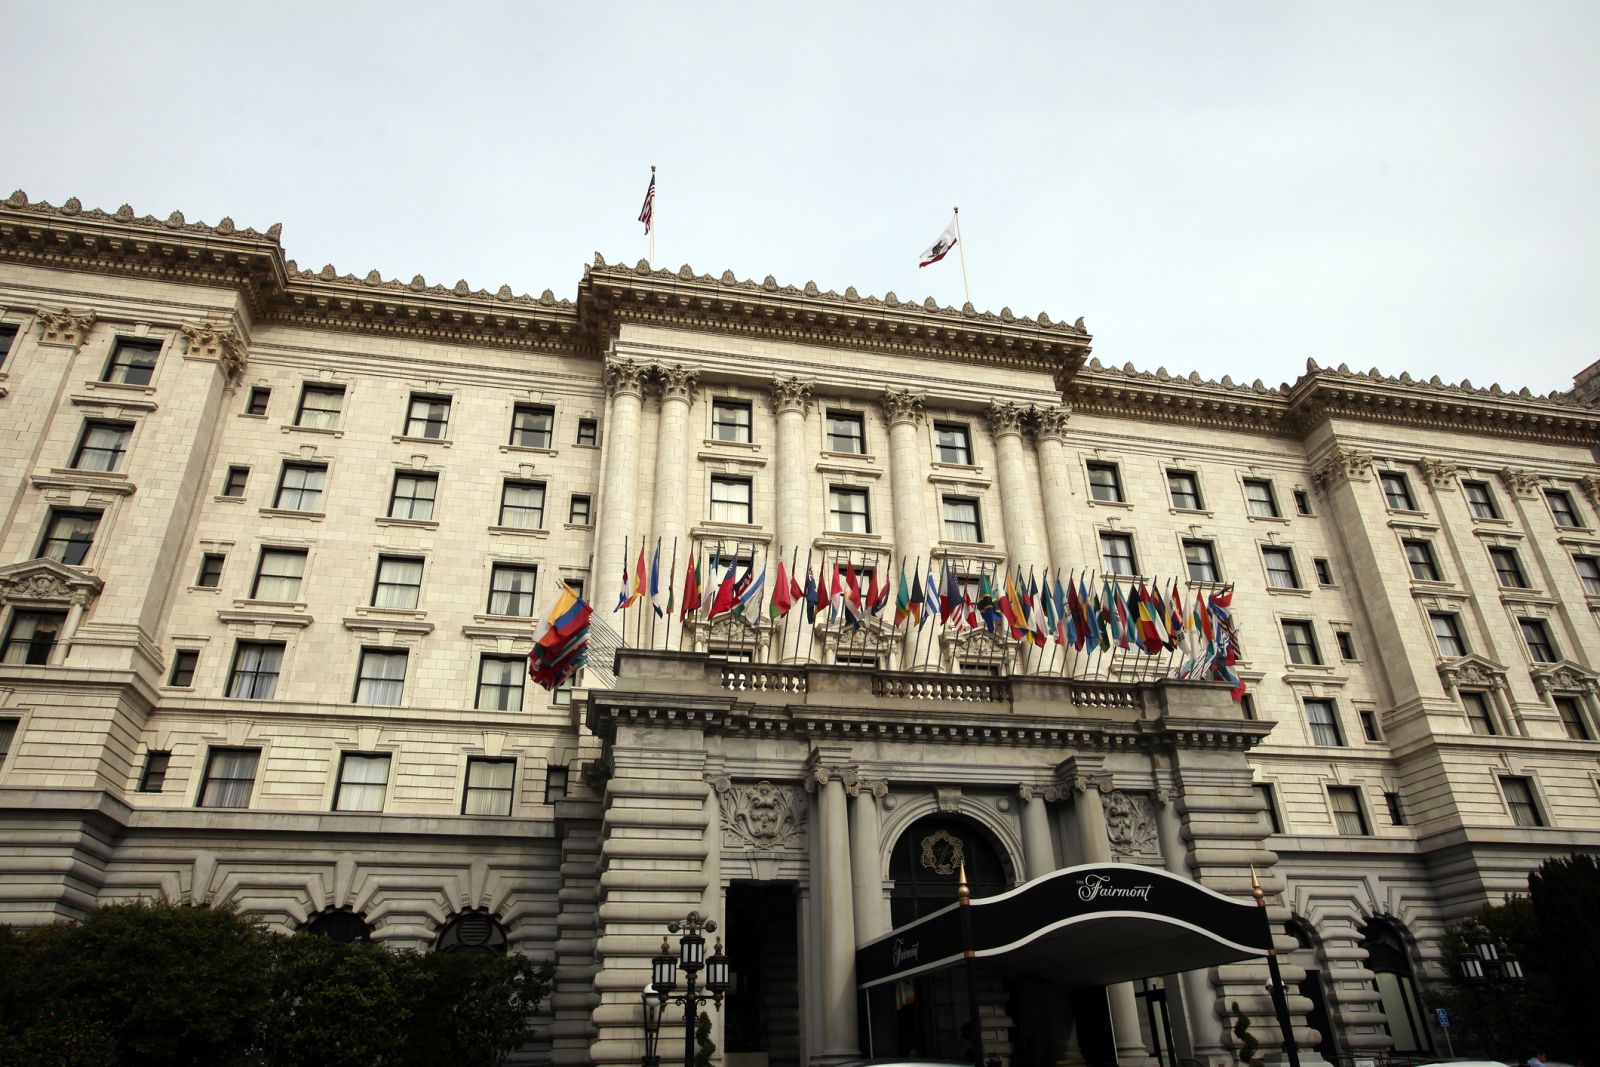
point(931, 603)
point(877, 595)
point(781, 603)
point(691, 589)
point(852, 603)
point(639, 582)
point(950, 597)
point(561, 645)
point(655, 580)
point(813, 595)
point(937, 251)
point(902, 599)
point(835, 594)
point(917, 600)
point(1092, 635)
point(647, 212)
point(623, 599)
point(726, 599)
point(752, 592)
point(1037, 621)
point(986, 603)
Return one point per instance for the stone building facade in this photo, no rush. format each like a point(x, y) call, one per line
point(274, 539)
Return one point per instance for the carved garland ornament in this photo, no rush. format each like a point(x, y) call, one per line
point(942, 852)
point(1130, 823)
point(763, 817)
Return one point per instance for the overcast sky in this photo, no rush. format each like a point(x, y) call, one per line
point(1222, 187)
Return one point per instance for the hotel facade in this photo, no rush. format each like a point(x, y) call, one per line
point(275, 542)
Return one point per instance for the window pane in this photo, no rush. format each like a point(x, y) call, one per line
point(103, 446)
point(1201, 561)
point(1519, 798)
point(1572, 718)
point(730, 500)
point(522, 505)
point(578, 510)
point(69, 536)
point(1348, 817)
point(1481, 500)
point(319, 407)
point(230, 774)
point(1260, 499)
point(846, 433)
point(1280, 568)
point(399, 583)
point(1562, 508)
point(413, 496)
point(489, 784)
point(301, 488)
point(1301, 642)
point(278, 577)
point(848, 510)
point(961, 520)
point(511, 590)
point(730, 421)
point(532, 427)
point(1104, 483)
point(1479, 718)
point(1324, 723)
point(1116, 550)
point(1588, 573)
point(382, 677)
point(953, 442)
point(255, 670)
point(1419, 554)
point(31, 637)
point(1537, 637)
point(1396, 491)
point(428, 417)
point(1185, 490)
point(500, 683)
point(1447, 632)
point(363, 781)
point(132, 362)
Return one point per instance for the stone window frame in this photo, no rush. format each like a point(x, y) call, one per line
point(977, 518)
point(519, 661)
point(1592, 558)
point(1473, 673)
point(1570, 508)
point(303, 463)
point(235, 475)
point(509, 792)
point(1335, 721)
point(1355, 793)
point(204, 569)
point(1393, 483)
point(240, 644)
point(1569, 681)
point(1458, 634)
point(844, 414)
point(505, 565)
point(855, 493)
point(1430, 554)
point(1537, 802)
point(1542, 625)
point(409, 418)
point(144, 342)
point(1093, 465)
point(1490, 501)
point(1267, 793)
point(212, 751)
point(1270, 548)
point(590, 423)
point(1168, 471)
point(91, 552)
point(507, 484)
point(749, 503)
point(129, 428)
point(1246, 481)
point(1497, 553)
point(1130, 538)
point(588, 511)
point(395, 497)
point(329, 388)
point(386, 555)
point(936, 426)
point(1310, 630)
point(263, 393)
point(183, 654)
point(339, 782)
point(378, 679)
point(300, 549)
point(533, 408)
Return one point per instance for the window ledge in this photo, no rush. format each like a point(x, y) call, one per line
point(400, 438)
point(205, 589)
point(388, 623)
point(1204, 513)
point(292, 427)
point(581, 444)
point(1093, 503)
point(248, 415)
point(967, 469)
point(1288, 590)
point(824, 467)
point(849, 457)
point(523, 621)
point(496, 633)
point(530, 449)
point(711, 528)
point(734, 460)
point(119, 387)
point(224, 498)
point(415, 524)
point(1405, 513)
point(99, 481)
point(1564, 530)
point(748, 446)
point(1269, 518)
point(579, 525)
point(285, 513)
point(853, 535)
point(271, 605)
point(257, 614)
point(374, 612)
point(517, 531)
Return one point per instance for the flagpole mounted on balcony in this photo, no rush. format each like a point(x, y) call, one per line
point(961, 248)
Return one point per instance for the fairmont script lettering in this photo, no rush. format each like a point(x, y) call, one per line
point(904, 953)
point(1094, 886)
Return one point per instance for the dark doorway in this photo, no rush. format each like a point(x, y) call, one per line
point(762, 1012)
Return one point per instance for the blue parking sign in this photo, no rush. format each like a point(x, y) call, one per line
point(1444, 1018)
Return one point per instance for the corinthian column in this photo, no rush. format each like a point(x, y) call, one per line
point(1050, 434)
point(619, 503)
point(1016, 501)
point(790, 399)
point(908, 478)
point(1038, 852)
point(864, 859)
point(670, 512)
point(839, 1039)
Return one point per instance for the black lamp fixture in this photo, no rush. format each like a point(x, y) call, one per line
point(691, 960)
point(1484, 962)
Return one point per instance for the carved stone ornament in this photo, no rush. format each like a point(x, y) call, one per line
point(47, 582)
point(1085, 782)
point(982, 646)
point(210, 340)
point(790, 394)
point(1343, 465)
point(676, 381)
point(762, 817)
point(1441, 474)
point(1591, 489)
point(1130, 823)
point(942, 852)
point(1518, 481)
point(1472, 673)
point(63, 327)
point(1565, 678)
point(1051, 422)
point(625, 376)
point(902, 406)
point(1005, 418)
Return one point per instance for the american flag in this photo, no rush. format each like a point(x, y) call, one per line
point(649, 204)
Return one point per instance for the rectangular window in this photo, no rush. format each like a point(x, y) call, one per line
point(428, 417)
point(132, 362)
point(1537, 637)
point(1267, 808)
point(1324, 570)
point(847, 510)
point(952, 443)
point(578, 510)
point(236, 480)
point(730, 421)
point(278, 574)
point(184, 662)
point(730, 500)
point(1519, 798)
point(1447, 633)
point(1281, 573)
point(230, 776)
point(1480, 498)
point(1508, 568)
point(1200, 557)
point(1369, 724)
point(1480, 717)
point(1105, 483)
point(102, 446)
point(8, 339)
point(31, 637)
point(413, 496)
point(254, 675)
point(1562, 507)
point(500, 682)
point(300, 487)
point(1302, 642)
point(1116, 552)
point(320, 406)
point(1347, 644)
point(398, 584)
point(522, 505)
point(1397, 811)
point(1259, 498)
point(533, 426)
point(154, 775)
point(1184, 488)
point(260, 396)
point(210, 575)
point(1348, 817)
point(961, 522)
point(1571, 713)
point(363, 780)
point(1302, 502)
point(847, 432)
point(1588, 573)
point(588, 432)
point(489, 783)
point(381, 677)
point(511, 590)
point(1419, 555)
point(1247, 706)
point(69, 535)
point(555, 784)
point(8, 735)
point(1396, 491)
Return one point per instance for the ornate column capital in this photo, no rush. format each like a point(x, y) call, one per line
point(1591, 489)
point(1051, 423)
point(902, 406)
point(1441, 474)
point(791, 394)
point(626, 376)
point(676, 381)
point(218, 341)
point(819, 775)
point(1342, 465)
point(1005, 418)
point(1519, 482)
point(1030, 793)
point(64, 327)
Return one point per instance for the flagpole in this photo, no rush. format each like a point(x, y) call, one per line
point(624, 627)
point(672, 580)
point(655, 203)
point(961, 247)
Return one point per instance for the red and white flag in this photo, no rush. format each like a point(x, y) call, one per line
point(649, 203)
point(941, 247)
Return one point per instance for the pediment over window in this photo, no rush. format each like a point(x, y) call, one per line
point(46, 582)
point(1472, 672)
point(1565, 676)
point(981, 646)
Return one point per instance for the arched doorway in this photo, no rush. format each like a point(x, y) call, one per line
point(1389, 960)
point(1308, 957)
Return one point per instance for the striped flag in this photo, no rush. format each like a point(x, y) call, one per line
point(649, 208)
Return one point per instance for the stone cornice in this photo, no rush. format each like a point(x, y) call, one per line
point(1103, 390)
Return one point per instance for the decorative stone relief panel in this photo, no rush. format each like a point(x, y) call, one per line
point(1130, 823)
point(761, 817)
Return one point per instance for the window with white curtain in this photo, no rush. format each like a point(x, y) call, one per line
point(488, 789)
point(500, 682)
point(381, 679)
point(278, 574)
point(230, 776)
point(102, 447)
point(399, 583)
point(511, 590)
point(363, 780)
point(256, 665)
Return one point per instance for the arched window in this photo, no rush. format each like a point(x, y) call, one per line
point(1389, 960)
point(339, 925)
point(927, 860)
point(476, 932)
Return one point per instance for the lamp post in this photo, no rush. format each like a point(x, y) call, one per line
point(691, 959)
point(1485, 963)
